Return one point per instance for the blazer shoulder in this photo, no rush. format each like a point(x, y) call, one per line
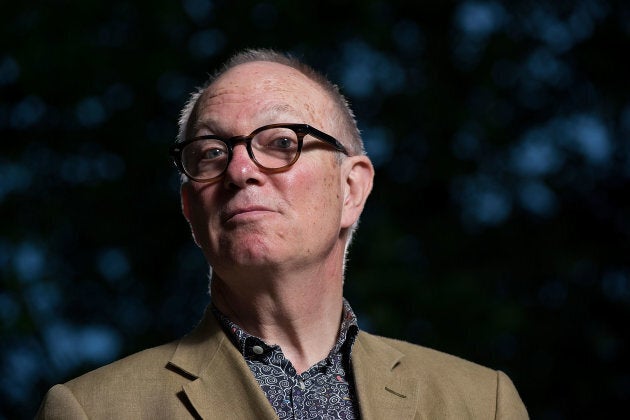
point(153, 383)
point(138, 366)
point(138, 386)
point(413, 355)
point(454, 381)
point(417, 355)
point(142, 362)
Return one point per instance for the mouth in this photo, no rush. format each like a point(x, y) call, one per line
point(242, 213)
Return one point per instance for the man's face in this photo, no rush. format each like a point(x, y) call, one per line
point(253, 219)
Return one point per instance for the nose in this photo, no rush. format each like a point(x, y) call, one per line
point(241, 170)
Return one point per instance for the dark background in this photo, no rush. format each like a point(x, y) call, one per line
point(498, 229)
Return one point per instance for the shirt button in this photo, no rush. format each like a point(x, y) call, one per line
point(301, 384)
point(257, 349)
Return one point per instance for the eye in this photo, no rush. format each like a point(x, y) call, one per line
point(212, 153)
point(276, 139)
point(204, 152)
point(208, 150)
point(282, 143)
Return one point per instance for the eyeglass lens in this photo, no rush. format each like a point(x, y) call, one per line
point(272, 148)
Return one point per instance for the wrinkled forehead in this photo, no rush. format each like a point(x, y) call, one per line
point(262, 76)
point(266, 89)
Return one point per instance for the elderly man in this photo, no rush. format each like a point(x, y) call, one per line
point(274, 181)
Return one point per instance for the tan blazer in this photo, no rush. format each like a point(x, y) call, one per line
point(204, 376)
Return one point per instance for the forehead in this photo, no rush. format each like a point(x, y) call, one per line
point(262, 93)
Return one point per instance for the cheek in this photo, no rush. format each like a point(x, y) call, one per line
point(324, 199)
point(201, 213)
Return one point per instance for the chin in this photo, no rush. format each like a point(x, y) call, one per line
point(246, 254)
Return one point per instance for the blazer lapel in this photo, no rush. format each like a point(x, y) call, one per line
point(382, 392)
point(222, 385)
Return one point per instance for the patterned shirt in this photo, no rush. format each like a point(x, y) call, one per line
point(324, 391)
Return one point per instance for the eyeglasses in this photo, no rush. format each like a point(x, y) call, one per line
point(273, 147)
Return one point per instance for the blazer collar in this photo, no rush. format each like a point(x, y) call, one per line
point(380, 388)
point(218, 375)
point(222, 386)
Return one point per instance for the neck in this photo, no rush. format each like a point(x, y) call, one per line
point(300, 313)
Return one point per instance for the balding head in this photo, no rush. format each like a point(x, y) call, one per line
point(341, 116)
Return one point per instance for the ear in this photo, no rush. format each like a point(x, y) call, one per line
point(185, 193)
point(358, 176)
point(185, 196)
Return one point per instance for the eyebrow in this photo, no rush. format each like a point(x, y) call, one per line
point(281, 109)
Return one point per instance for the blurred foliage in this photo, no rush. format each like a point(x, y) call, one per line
point(498, 230)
